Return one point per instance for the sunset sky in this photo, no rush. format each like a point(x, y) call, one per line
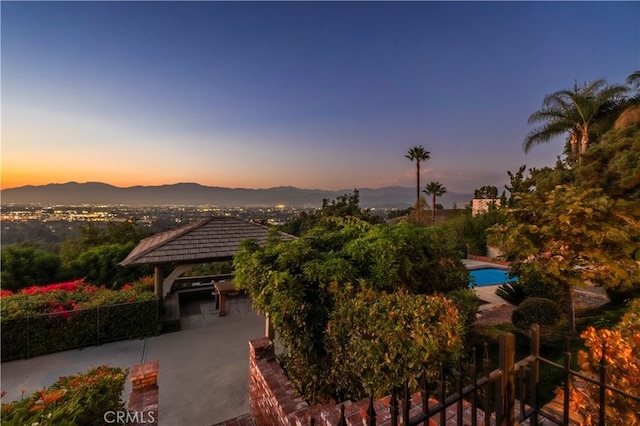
point(308, 94)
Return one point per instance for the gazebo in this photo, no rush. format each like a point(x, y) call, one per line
point(210, 240)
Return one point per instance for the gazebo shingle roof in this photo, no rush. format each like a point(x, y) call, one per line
point(216, 238)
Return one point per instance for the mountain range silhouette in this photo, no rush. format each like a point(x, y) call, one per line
point(194, 194)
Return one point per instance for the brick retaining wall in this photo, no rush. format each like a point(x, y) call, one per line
point(143, 400)
point(273, 400)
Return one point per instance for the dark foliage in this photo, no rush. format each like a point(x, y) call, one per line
point(536, 310)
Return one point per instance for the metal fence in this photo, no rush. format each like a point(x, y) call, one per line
point(46, 333)
point(504, 396)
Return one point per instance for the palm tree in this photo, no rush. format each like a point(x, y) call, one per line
point(634, 80)
point(435, 189)
point(418, 154)
point(630, 110)
point(574, 112)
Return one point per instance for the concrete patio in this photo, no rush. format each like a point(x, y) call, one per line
point(204, 369)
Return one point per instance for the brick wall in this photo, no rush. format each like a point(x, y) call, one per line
point(273, 401)
point(143, 400)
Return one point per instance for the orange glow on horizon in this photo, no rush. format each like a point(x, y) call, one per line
point(15, 176)
point(12, 178)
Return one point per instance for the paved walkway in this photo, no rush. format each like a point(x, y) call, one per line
point(204, 369)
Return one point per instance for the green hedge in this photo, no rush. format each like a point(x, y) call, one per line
point(41, 334)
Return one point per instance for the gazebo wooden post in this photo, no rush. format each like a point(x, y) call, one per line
point(157, 282)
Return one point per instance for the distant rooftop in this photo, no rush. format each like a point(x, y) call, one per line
point(212, 239)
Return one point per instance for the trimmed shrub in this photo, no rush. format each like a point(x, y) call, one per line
point(538, 287)
point(536, 310)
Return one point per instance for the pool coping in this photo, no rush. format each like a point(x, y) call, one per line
point(486, 293)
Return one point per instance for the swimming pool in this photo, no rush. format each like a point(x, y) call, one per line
point(489, 276)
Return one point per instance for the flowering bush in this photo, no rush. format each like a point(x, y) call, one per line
point(621, 347)
point(66, 297)
point(44, 319)
point(81, 399)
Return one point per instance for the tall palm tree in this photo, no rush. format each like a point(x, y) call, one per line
point(418, 154)
point(435, 189)
point(574, 112)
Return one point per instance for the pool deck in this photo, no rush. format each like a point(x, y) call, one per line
point(486, 293)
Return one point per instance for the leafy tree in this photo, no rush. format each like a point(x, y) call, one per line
point(546, 179)
point(418, 154)
point(99, 265)
point(573, 112)
point(435, 189)
point(571, 237)
point(489, 192)
point(419, 215)
point(613, 165)
point(92, 236)
point(298, 283)
point(468, 233)
point(347, 205)
point(124, 232)
point(406, 256)
point(519, 184)
point(26, 264)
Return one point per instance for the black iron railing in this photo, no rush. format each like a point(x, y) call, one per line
point(503, 396)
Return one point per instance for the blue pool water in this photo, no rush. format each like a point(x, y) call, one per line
point(489, 276)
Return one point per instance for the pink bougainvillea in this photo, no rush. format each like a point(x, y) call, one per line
point(69, 286)
point(66, 297)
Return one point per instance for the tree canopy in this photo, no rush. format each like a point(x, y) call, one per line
point(346, 205)
point(570, 237)
point(94, 256)
point(28, 264)
point(306, 283)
